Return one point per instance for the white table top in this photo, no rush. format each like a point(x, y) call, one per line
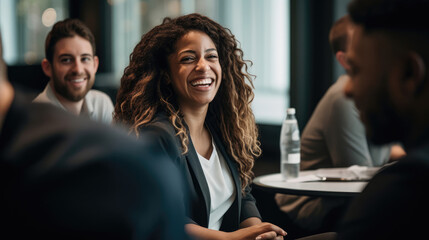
point(274, 183)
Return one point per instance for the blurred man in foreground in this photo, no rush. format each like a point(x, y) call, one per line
point(334, 137)
point(389, 59)
point(68, 178)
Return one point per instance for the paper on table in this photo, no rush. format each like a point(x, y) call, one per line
point(305, 178)
point(354, 172)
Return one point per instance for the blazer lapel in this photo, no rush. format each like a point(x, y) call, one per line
point(194, 162)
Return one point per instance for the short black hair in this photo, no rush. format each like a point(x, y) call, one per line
point(393, 15)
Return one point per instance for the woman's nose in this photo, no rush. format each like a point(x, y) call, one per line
point(202, 65)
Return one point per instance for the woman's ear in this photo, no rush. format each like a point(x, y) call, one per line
point(167, 78)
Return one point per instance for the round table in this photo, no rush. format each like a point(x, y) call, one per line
point(275, 184)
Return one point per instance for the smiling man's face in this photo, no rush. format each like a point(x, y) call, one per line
point(73, 68)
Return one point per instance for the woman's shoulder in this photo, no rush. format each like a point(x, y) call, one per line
point(160, 122)
point(162, 131)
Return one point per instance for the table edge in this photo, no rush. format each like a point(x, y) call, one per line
point(315, 193)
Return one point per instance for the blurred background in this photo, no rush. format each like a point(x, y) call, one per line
point(286, 40)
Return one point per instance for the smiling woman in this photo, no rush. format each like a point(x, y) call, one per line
point(187, 84)
point(261, 27)
point(195, 70)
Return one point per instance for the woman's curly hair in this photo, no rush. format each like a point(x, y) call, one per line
point(146, 89)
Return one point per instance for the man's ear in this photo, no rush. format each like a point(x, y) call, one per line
point(405, 80)
point(414, 74)
point(341, 58)
point(96, 63)
point(47, 67)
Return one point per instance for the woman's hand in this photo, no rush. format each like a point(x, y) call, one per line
point(261, 231)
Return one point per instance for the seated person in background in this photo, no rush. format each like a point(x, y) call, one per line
point(68, 178)
point(71, 65)
point(389, 71)
point(333, 137)
point(187, 83)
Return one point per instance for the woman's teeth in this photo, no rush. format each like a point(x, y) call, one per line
point(201, 82)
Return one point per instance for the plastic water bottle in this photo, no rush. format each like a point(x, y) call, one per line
point(290, 146)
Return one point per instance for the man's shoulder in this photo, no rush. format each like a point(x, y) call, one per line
point(333, 101)
point(100, 105)
point(44, 96)
point(336, 94)
point(338, 106)
point(96, 92)
point(402, 180)
point(97, 95)
point(41, 98)
point(397, 190)
point(403, 175)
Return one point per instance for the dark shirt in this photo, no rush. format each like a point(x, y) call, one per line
point(394, 205)
point(64, 177)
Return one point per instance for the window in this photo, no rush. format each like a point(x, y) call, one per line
point(261, 27)
point(25, 24)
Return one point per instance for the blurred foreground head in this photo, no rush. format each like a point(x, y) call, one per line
point(388, 60)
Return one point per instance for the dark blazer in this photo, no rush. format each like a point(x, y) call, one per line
point(62, 177)
point(199, 195)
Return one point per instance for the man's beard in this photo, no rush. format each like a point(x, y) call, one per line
point(386, 125)
point(64, 91)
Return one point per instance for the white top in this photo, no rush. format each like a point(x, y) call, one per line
point(221, 186)
point(96, 105)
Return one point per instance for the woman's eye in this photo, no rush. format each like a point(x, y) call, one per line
point(186, 59)
point(212, 56)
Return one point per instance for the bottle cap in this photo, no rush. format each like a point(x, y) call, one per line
point(290, 111)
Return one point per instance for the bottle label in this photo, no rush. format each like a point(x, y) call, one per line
point(295, 135)
point(290, 121)
point(293, 158)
